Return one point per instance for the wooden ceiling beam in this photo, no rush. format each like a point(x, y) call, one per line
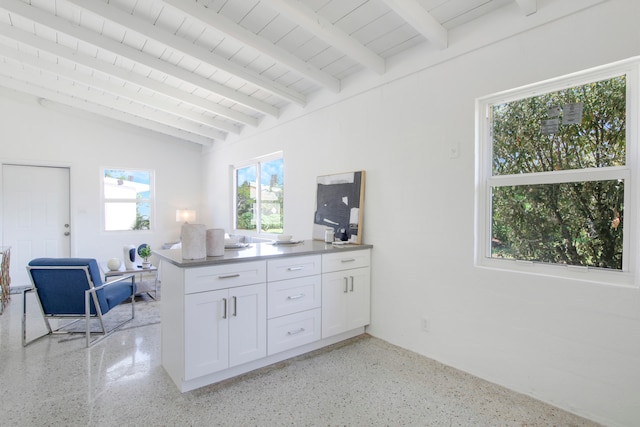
point(58, 24)
point(322, 28)
point(126, 76)
point(172, 41)
point(421, 20)
point(265, 47)
point(82, 81)
point(80, 106)
point(528, 6)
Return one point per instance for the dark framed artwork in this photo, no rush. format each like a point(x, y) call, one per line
point(340, 206)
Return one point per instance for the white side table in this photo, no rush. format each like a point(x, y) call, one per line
point(138, 271)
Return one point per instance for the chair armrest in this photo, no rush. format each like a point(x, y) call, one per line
point(119, 279)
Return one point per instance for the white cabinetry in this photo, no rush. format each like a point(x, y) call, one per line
point(224, 328)
point(224, 318)
point(346, 288)
point(215, 318)
point(294, 300)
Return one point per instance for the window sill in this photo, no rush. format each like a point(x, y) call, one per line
point(584, 274)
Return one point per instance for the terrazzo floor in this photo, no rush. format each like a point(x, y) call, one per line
point(362, 382)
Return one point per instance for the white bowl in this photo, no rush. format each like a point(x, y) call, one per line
point(231, 241)
point(284, 237)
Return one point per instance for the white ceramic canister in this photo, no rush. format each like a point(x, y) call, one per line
point(215, 242)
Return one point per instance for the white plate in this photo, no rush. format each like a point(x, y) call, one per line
point(237, 246)
point(289, 242)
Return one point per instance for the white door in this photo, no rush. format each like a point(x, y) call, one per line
point(35, 215)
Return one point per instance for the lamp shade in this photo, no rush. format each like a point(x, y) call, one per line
point(185, 215)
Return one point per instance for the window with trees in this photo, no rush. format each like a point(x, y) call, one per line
point(259, 195)
point(127, 196)
point(556, 168)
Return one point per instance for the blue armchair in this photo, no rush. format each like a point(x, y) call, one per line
point(72, 288)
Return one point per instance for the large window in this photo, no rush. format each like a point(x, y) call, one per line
point(259, 195)
point(127, 199)
point(555, 173)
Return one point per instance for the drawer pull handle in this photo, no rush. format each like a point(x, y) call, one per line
point(295, 296)
point(224, 308)
point(296, 332)
point(229, 276)
point(301, 267)
point(235, 306)
point(351, 277)
point(348, 260)
point(346, 285)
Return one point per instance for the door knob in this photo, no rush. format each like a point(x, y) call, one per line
point(66, 233)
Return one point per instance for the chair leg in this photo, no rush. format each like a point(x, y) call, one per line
point(24, 320)
point(104, 332)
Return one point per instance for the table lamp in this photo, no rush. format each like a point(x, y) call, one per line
point(185, 215)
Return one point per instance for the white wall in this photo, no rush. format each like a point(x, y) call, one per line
point(33, 134)
point(569, 343)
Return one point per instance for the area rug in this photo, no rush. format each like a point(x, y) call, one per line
point(147, 312)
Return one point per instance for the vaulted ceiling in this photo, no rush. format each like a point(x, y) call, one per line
point(202, 70)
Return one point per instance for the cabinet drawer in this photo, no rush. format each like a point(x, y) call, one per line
point(292, 331)
point(289, 268)
point(344, 260)
point(293, 295)
point(202, 279)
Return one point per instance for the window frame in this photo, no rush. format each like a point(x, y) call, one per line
point(234, 215)
point(151, 200)
point(485, 180)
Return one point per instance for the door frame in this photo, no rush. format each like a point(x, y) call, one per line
point(71, 202)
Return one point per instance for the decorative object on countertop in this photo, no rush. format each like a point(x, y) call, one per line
point(339, 206)
point(194, 241)
point(129, 257)
point(215, 242)
point(329, 235)
point(114, 264)
point(145, 252)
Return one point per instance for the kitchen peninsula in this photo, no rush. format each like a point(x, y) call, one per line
point(255, 306)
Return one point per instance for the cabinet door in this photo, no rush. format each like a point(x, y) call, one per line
point(359, 297)
point(206, 333)
point(345, 300)
point(247, 323)
point(335, 289)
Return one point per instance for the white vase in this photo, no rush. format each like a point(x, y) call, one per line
point(129, 256)
point(194, 241)
point(215, 242)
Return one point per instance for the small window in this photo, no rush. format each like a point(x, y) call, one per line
point(127, 199)
point(259, 195)
point(556, 172)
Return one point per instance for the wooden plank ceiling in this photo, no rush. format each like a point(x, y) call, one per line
point(201, 70)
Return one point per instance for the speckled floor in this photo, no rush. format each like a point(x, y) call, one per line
point(364, 382)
